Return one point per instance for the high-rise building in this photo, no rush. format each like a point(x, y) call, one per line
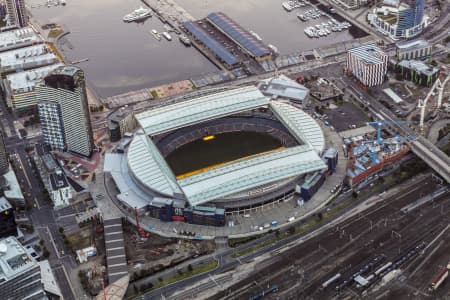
point(17, 15)
point(64, 111)
point(8, 226)
point(20, 274)
point(405, 19)
point(367, 63)
point(4, 163)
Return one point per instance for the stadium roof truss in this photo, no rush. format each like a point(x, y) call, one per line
point(147, 165)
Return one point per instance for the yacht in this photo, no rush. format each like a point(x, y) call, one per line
point(273, 48)
point(138, 15)
point(155, 34)
point(167, 36)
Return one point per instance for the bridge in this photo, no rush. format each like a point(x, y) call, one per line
point(432, 156)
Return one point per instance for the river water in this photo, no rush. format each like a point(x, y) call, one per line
point(125, 56)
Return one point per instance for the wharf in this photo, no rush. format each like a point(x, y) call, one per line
point(169, 12)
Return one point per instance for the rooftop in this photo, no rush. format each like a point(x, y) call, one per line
point(243, 175)
point(17, 38)
point(284, 87)
point(121, 113)
point(14, 192)
point(411, 45)
point(186, 113)
point(219, 50)
point(27, 80)
point(4, 204)
point(419, 67)
point(239, 34)
point(14, 259)
point(371, 54)
point(58, 180)
point(37, 55)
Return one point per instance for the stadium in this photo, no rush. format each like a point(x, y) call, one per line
point(202, 158)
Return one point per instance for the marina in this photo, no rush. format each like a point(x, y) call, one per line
point(150, 62)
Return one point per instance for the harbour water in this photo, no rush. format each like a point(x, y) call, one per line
point(126, 56)
point(122, 56)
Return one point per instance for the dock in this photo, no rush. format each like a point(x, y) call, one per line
point(169, 12)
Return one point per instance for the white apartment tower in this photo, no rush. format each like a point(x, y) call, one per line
point(64, 111)
point(367, 63)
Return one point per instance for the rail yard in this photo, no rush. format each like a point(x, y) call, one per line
point(382, 246)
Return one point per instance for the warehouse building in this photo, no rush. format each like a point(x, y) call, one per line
point(246, 41)
point(219, 51)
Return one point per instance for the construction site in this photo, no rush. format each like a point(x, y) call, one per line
point(370, 155)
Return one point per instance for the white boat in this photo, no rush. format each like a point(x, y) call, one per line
point(286, 6)
point(273, 48)
point(138, 15)
point(255, 35)
point(167, 35)
point(155, 34)
point(63, 2)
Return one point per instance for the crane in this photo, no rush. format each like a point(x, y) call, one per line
point(379, 124)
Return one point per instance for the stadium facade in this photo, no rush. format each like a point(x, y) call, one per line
point(146, 182)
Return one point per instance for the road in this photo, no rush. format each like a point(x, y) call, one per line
point(41, 212)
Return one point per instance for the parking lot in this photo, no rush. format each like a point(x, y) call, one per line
point(344, 116)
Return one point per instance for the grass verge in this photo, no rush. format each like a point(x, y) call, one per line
point(186, 274)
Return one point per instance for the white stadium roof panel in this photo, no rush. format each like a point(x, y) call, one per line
point(149, 167)
point(186, 113)
point(243, 175)
point(301, 125)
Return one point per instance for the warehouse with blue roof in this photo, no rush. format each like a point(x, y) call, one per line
point(242, 37)
point(209, 42)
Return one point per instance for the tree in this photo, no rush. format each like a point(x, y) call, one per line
point(41, 242)
point(61, 229)
point(355, 194)
point(46, 253)
point(190, 268)
point(291, 230)
point(320, 216)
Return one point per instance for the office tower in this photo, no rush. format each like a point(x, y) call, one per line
point(20, 274)
point(17, 15)
point(4, 163)
point(64, 111)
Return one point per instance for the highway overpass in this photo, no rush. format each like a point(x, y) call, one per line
point(432, 156)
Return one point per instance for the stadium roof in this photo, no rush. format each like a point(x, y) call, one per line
point(244, 38)
point(370, 54)
point(243, 175)
point(150, 170)
point(149, 167)
point(220, 51)
point(186, 113)
point(300, 124)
